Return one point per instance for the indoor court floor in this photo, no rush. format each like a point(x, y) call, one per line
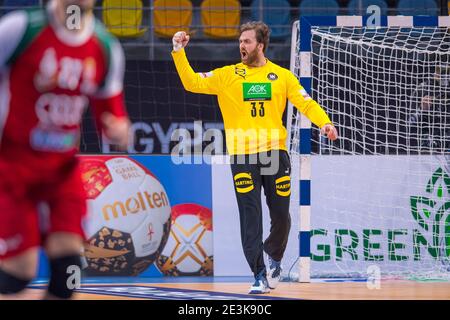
point(236, 288)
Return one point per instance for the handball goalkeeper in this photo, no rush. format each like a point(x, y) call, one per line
point(252, 97)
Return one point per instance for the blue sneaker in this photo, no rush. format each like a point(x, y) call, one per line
point(274, 273)
point(260, 286)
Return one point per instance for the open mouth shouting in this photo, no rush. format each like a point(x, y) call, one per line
point(244, 55)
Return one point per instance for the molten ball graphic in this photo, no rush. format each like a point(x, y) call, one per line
point(128, 220)
point(189, 250)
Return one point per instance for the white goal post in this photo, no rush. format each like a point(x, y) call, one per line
point(377, 201)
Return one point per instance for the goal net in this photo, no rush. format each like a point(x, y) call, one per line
point(380, 194)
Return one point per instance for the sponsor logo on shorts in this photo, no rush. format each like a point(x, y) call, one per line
point(283, 186)
point(243, 182)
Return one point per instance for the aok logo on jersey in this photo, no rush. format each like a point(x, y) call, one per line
point(257, 91)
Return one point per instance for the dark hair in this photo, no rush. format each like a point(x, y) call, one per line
point(262, 31)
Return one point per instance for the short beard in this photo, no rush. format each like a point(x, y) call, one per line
point(252, 57)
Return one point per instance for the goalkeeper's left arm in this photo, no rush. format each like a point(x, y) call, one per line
point(309, 107)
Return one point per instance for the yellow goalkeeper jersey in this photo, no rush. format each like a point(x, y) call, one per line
point(252, 101)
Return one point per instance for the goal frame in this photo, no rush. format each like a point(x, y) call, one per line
point(301, 37)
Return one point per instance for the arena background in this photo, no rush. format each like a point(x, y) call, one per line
point(158, 105)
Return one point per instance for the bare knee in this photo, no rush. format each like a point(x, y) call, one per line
point(60, 244)
point(23, 265)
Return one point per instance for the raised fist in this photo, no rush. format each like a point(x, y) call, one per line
point(180, 40)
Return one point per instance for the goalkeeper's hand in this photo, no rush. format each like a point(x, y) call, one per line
point(330, 131)
point(180, 40)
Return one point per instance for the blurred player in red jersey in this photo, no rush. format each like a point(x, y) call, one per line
point(50, 73)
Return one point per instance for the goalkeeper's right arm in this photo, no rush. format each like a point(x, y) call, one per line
point(207, 83)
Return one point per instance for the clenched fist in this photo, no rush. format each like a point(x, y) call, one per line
point(180, 40)
point(330, 131)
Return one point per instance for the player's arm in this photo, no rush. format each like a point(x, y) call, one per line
point(108, 103)
point(12, 28)
point(207, 83)
point(309, 107)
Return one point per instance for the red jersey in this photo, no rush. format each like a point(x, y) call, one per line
point(48, 77)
